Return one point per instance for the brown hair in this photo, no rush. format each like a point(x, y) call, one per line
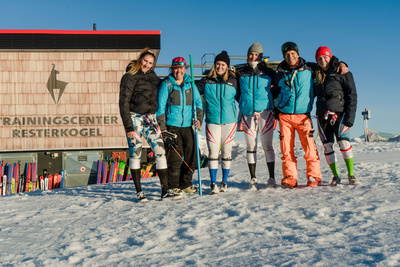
point(320, 74)
point(134, 66)
point(213, 74)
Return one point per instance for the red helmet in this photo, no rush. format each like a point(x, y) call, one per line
point(178, 62)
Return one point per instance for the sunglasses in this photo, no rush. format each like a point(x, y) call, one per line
point(178, 63)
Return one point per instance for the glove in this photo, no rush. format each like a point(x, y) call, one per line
point(275, 112)
point(348, 124)
point(169, 138)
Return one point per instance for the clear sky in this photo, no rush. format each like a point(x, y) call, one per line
point(364, 34)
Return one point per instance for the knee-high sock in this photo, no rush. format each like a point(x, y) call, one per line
point(163, 175)
point(271, 169)
point(225, 174)
point(136, 179)
point(213, 175)
point(349, 165)
point(334, 169)
point(252, 169)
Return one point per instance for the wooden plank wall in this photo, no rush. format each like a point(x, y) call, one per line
point(93, 89)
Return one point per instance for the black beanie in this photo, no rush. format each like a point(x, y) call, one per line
point(223, 57)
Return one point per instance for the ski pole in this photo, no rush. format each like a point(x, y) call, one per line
point(182, 158)
point(195, 130)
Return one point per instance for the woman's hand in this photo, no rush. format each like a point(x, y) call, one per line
point(131, 134)
point(197, 124)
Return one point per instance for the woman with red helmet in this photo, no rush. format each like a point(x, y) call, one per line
point(176, 98)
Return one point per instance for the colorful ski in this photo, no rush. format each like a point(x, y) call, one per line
point(46, 180)
point(99, 170)
point(34, 174)
point(50, 177)
point(146, 172)
point(62, 179)
point(41, 182)
point(27, 176)
point(115, 171)
point(4, 184)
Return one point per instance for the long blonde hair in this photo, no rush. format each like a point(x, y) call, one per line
point(213, 74)
point(134, 66)
point(320, 75)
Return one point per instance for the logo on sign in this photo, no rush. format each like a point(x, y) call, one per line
point(55, 86)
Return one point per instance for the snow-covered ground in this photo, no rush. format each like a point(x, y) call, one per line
point(103, 225)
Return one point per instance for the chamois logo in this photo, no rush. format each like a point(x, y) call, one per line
point(53, 84)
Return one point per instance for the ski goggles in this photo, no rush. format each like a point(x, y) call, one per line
point(289, 46)
point(178, 64)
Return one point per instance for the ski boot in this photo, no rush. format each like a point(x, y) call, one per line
point(271, 183)
point(335, 180)
point(311, 181)
point(214, 189)
point(289, 181)
point(353, 180)
point(223, 188)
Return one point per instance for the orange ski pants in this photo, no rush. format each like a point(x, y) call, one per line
point(288, 123)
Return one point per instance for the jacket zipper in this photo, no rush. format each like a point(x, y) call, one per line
point(220, 104)
point(254, 81)
point(295, 95)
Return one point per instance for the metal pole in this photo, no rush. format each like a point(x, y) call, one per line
point(366, 115)
point(195, 129)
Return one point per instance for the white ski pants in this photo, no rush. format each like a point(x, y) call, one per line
point(220, 137)
point(264, 124)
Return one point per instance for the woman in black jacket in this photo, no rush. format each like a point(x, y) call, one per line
point(138, 105)
point(336, 109)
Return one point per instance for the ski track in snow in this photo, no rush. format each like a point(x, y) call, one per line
point(103, 225)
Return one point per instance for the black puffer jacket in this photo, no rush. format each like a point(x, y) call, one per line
point(138, 94)
point(337, 93)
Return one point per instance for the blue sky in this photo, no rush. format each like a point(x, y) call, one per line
point(365, 34)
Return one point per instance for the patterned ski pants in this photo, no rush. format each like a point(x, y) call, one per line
point(146, 126)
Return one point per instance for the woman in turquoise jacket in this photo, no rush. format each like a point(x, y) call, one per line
point(220, 90)
point(256, 105)
point(175, 114)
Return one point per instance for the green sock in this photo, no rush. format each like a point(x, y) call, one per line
point(349, 164)
point(334, 169)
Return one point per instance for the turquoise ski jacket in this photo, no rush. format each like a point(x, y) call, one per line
point(175, 103)
point(294, 88)
point(219, 96)
point(255, 88)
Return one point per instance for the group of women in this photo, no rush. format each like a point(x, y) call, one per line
point(162, 112)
